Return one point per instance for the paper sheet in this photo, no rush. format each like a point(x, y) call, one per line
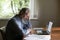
point(38, 37)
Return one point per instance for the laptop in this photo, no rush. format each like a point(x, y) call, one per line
point(40, 31)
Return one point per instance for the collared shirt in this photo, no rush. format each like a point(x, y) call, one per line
point(21, 25)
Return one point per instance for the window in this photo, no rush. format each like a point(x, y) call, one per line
point(5, 9)
point(9, 8)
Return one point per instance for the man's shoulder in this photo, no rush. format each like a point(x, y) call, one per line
point(11, 20)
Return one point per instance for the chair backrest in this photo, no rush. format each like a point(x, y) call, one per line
point(3, 33)
point(49, 27)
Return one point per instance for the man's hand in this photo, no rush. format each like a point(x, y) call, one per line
point(33, 31)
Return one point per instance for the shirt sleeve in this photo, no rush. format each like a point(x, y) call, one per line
point(15, 29)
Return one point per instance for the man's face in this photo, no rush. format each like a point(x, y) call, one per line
point(26, 16)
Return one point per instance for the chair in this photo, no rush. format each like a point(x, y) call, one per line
point(3, 33)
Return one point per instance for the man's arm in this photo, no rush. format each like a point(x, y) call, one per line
point(17, 31)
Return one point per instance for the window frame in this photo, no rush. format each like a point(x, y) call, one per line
point(32, 9)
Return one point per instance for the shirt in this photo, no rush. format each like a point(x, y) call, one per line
point(23, 26)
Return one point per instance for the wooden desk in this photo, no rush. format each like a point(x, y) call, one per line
point(55, 35)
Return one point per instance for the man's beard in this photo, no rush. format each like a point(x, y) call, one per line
point(25, 20)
